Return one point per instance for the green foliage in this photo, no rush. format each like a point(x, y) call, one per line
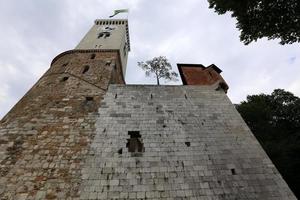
point(275, 121)
point(263, 18)
point(160, 67)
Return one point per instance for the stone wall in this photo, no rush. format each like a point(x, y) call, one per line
point(189, 143)
point(45, 137)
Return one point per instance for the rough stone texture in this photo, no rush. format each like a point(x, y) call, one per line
point(45, 137)
point(196, 146)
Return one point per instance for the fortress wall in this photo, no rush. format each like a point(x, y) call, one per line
point(186, 142)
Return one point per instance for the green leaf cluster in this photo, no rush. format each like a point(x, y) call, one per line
point(263, 18)
point(275, 121)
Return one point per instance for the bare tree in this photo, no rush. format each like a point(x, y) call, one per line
point(160, 67)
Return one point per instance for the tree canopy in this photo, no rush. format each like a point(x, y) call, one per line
point(263, 18)
point(275, 121)
point(160, 67)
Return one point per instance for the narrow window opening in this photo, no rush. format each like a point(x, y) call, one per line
point(64, 79)
point(187, 144)
point(185, 96)
point(89, 98)
point(93, 56)
point(116, 96)
point(120, 151)
point(100, 35)
point(124, 50)
point(107, 34)
point(85, 69)
point(134, 143)
point(233, 171)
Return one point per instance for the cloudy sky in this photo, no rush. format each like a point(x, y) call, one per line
point(33, 32)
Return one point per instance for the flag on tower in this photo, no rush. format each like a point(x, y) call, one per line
point(119, 11)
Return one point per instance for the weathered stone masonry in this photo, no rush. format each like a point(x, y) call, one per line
point(196, 146)
point(45, 137)
point(81, 133)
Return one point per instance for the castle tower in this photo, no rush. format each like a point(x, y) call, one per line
point(81, 133)
point(45, 136)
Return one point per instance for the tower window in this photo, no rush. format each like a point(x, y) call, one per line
point(104, 34)
point(124, 50)
point(100, 35)
point(93, 56)
point(107, 34)
point(64, 79)
point(85, 69)
point(134, 143)
point(89, 98)
point(65, 64)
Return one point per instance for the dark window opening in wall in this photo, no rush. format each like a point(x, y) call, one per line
point(233, 171)
point(64, 79)
point(124, 50)
point(85, 69)
point(89, 98)
point(100, 35)
point(107, 34)
point(93, 56)
point(134, 143)
point(104, 34)
point(187, 144)
point(65, 64)
point(120, 151)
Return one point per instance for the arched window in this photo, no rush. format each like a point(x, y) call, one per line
point(85, 69)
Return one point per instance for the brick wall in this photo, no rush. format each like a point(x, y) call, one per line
point(197, 74)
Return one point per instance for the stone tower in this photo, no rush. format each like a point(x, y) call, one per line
point(46, 135)
point(81, 133)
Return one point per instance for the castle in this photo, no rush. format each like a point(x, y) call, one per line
point(81, 133)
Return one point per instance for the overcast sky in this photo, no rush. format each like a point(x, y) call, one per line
point(33, 32)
